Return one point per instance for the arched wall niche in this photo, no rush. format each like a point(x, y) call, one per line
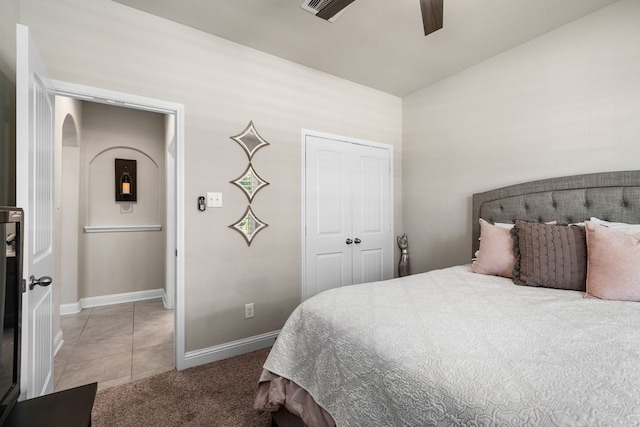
point(70, 134)
point(102, 207)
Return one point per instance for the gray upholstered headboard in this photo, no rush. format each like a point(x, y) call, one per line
point(612, 196)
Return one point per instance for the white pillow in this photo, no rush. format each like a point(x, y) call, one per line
point(510, 226)
point(628, 229)
point(504, 225)
point(609, 224)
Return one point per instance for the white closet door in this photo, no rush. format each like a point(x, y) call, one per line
point(371, 220)
point(328, 216)
point(347, 214)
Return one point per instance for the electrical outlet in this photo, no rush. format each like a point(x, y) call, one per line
point(248, 310)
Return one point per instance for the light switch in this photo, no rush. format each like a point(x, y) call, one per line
point(214, 200)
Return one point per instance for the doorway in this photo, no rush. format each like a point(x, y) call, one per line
point(173, 227)
point(112, 251)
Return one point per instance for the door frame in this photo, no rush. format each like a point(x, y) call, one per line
point(175, 219)
point(303, 189)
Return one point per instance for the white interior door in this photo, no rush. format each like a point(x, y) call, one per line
point(34, 193)
point(348, 225)
point(328, 216)
point(371, 222)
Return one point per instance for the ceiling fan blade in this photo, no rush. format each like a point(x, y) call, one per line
point(432, 12)
point(332, 8)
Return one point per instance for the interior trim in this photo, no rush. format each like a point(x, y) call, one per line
point(120, 228)
point(230, 349)
point(99, 301)
point(175, 185)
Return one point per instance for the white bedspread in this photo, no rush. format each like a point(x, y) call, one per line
point(451, 347)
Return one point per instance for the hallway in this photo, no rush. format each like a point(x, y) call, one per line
point(115, 344)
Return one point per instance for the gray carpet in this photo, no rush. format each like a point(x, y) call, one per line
point(217, 394)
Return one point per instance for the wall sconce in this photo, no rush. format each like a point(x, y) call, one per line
point(126, 182)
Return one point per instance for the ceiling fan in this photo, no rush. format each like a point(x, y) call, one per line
point(432, 11)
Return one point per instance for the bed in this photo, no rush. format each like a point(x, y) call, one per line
point(556, 343)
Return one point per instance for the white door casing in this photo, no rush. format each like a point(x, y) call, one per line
point(175, 194)
point(34, 193)
point(347, 220)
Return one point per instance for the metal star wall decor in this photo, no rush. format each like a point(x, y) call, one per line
point(250, 182)
point(249, 225)
point(250, 140)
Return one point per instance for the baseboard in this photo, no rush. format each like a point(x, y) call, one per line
point(226, 350)
point(165, 300)
point(70, 308)
point(110, 299)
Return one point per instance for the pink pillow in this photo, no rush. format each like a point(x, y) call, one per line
point(496, 251)
point(613, 264)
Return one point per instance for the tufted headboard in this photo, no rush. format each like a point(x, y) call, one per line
point(612, 196)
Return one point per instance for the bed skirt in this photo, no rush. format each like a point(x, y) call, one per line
point(276, 393)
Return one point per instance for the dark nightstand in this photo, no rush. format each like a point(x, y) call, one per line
point(67, 408)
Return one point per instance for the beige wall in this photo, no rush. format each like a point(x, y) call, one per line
point(565, 103)
point(120, 262)
point(223, 86)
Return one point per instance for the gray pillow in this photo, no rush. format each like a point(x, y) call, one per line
point(550, 256)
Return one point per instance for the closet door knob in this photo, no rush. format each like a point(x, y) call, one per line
point(357, 241)
point(348, 241)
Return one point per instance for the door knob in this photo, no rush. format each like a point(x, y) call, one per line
point(348, 241)
point(357, 241)
point(43, 281)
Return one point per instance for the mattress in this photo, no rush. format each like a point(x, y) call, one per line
point(451, 347)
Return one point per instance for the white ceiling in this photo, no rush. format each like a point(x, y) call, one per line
point(378, 43)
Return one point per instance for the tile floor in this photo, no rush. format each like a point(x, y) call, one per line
point(115, 344)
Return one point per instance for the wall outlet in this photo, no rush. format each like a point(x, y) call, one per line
point(248, 310)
